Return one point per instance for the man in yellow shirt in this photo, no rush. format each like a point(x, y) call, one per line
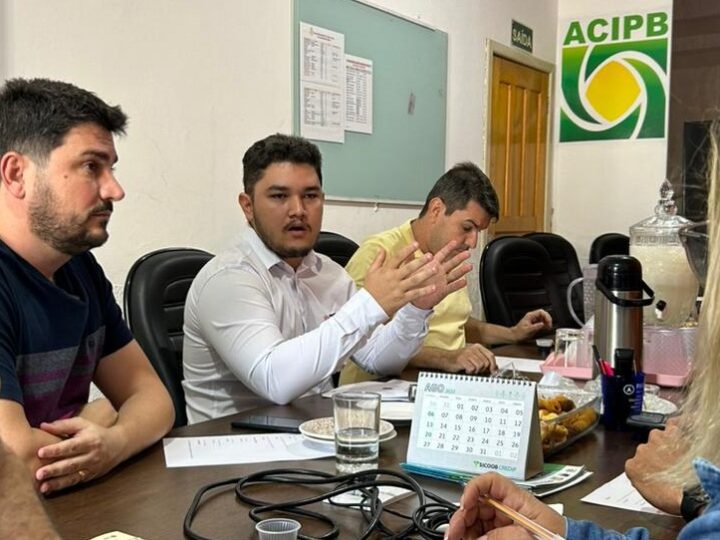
point(462, 203)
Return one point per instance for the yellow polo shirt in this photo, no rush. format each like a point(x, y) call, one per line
point(446, 326)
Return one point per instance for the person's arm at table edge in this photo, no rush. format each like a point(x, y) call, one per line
point(21, 439)
point(492, 334)
point(131, 384)
point(21, 513)
point(472, 358)
point(25, 441)
point(89, 450)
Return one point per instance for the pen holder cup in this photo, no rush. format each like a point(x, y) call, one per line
point(621, 397)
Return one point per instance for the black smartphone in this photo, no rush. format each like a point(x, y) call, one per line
point(647, 420)
point(268, 423)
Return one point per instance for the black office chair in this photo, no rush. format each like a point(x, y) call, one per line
point(336, 246)
point(154, 301)
point(609, 244)
point(565, 264)
point(516, 276)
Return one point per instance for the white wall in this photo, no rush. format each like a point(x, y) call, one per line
point(604, 186)
point(201, 81)
point(199, 84)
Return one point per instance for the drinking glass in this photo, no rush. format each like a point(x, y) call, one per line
point(572, 349)
point(357, 429)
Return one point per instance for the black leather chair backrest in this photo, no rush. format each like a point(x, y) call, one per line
point(565, 264)
point(516, 277)
point(336, 246)
point(609, 244)
point(154, 301)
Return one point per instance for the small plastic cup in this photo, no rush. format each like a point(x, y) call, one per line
point(544, 346)
point(277, 529)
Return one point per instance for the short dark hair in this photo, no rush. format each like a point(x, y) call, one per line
point(37, 114)
point(463, 183)
point(278, 148)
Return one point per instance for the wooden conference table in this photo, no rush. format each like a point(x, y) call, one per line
point(144, 498)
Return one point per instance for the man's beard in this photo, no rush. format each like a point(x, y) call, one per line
point(68, 235)
point(281, 251)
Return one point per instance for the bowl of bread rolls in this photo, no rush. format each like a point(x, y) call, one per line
point(565, 416)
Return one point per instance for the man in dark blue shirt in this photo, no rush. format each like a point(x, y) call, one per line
point(60, 327)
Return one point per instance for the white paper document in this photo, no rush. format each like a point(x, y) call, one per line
point(528, 365)
point(620, 493)
point(392, 390)
point(322, 84)
point(238, 449)
point(321, 113)
point(358, 94)
point(386, 494)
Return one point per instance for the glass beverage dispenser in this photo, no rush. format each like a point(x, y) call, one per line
point(656, 244)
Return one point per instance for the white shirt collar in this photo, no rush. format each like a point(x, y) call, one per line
point(269, 258)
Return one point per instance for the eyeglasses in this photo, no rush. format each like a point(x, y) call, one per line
point(694, 238)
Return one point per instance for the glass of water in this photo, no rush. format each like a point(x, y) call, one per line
point(357, 429)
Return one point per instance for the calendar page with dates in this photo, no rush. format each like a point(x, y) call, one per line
point(474, 424)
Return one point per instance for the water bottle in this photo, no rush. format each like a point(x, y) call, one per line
point(619, 303)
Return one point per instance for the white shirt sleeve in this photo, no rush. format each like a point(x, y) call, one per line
point(393, 344)
point(239, 321)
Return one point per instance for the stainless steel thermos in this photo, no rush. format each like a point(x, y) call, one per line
point(619, 303)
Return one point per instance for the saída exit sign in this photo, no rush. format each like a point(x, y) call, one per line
point(522, 36)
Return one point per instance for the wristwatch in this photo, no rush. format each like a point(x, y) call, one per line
point(694, 501)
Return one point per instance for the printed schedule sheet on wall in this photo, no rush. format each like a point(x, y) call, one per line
point(473, 424)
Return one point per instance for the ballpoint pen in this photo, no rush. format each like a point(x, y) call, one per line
point(535, 529)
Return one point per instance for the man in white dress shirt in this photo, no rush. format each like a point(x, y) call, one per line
point(270, 320)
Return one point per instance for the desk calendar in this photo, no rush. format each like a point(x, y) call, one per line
point(472, 424)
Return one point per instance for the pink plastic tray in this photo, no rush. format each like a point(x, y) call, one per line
point(552, 363)
point(585, 372)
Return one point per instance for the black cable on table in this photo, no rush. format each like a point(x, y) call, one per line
point(424, 521)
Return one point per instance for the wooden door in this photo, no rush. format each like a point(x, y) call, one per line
point(518, 145)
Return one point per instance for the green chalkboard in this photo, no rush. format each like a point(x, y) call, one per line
point(405, 154)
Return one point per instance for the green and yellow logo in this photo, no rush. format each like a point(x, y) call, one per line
point(614, 78)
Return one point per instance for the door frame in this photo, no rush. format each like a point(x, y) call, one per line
point(493, 48)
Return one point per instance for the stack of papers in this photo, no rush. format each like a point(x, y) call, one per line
point(393, 390)
point(554, 477)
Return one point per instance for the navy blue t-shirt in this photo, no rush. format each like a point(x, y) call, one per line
point(52, 335)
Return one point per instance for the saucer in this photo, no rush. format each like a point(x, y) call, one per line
point(385, 438)
point(653, 403)
point(324, 429)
